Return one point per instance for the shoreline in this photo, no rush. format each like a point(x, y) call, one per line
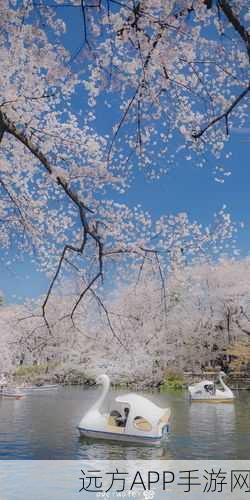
point(73, 377)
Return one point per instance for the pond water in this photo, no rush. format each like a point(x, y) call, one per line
point(43, 426)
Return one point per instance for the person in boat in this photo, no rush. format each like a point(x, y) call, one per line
point(209, 388)
point(122, 420)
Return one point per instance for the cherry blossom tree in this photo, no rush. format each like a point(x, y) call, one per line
point(186, 331)
point(204, 311)
point(179, 70)
point(159, 66)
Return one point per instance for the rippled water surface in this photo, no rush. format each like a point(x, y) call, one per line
point(43, 426)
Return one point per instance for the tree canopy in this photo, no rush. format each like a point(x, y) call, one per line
point(168, 75)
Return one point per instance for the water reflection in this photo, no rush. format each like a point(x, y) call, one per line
point(208, 425)
point(220, 416)
point(108, 450)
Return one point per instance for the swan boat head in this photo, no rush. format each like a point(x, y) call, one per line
point(102, 379)
point(130, 417)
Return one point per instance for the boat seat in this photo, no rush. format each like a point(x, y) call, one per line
point(164, 419)
point(112, 421)
point(142, 424)
point(112, 425)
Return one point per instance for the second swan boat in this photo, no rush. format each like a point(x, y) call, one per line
point(207, 391)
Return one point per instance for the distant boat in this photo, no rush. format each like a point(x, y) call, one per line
point(9, 394)
point(37, 388)
point(206, 391)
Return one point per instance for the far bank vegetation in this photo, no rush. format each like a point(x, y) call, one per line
point(197, 319)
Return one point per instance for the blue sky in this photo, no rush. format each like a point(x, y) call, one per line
point(185, 188)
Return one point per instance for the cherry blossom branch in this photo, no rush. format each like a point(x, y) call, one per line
point(225, 115)
point(15, 203)
point(7, 126)
point(244, 330)
point(10, 128)
point(67, 248)
point(100, 302)
point(88, 287)
point(27, 98)
point(162, 283)
point(233, 19)
point(130, 104)
point(140, 85)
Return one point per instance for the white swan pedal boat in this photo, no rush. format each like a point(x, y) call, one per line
point(11, 394)
point(8, 392)
point(144, 422)
point(206, 391)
